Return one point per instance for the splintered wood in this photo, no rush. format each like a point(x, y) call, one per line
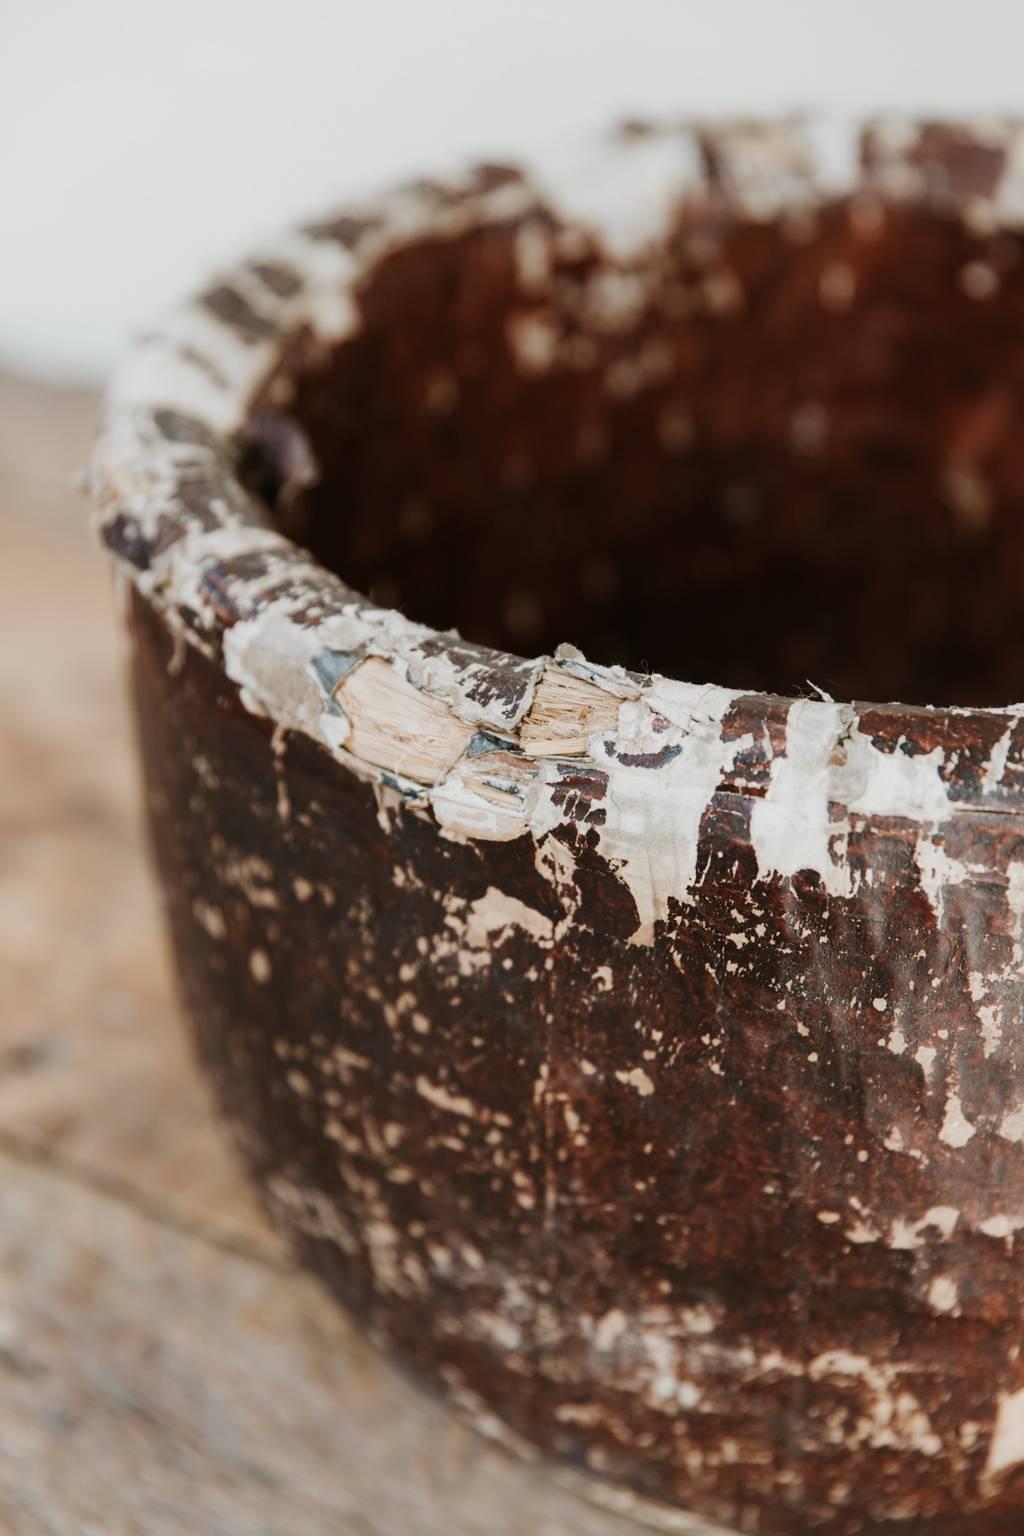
point(396, 727)
point(566, 712)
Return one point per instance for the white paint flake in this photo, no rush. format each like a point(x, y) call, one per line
point(956, 1130)
point(259, 966)
point(943, 1294)
point(791, 827)
point(637, 1078)
point(1006, 1448)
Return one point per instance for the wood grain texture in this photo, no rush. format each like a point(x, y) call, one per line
point(163, 1369)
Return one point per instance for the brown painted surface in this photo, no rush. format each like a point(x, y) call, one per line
point(554, 1190)
point(640, 1059)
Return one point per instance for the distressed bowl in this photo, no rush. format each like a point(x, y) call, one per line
point(640, 1059)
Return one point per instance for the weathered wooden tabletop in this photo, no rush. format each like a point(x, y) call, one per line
point(163, 1368)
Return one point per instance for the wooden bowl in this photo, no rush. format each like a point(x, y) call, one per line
point(641, 1059)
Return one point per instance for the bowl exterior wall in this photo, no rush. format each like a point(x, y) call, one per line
point(727, 1217)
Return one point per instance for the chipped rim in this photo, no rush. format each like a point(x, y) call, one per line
point(289, 633)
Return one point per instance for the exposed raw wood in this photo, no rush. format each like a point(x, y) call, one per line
point(398, 728)
point(566, 712)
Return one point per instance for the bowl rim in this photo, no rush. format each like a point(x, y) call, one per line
point(293, 637)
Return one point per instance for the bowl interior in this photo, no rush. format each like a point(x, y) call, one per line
point(765, 452)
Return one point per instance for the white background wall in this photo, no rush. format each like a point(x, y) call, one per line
point(142, 140)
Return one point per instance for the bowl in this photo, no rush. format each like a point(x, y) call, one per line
point(640, 1059)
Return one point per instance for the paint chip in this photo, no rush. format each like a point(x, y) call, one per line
point(259, 966)
point(637, 1078)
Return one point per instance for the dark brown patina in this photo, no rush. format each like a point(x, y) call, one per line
point(641, 1060)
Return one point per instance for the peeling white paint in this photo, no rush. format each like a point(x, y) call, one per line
point(259, 966)
point(654, 817)
point(622, 189)
point(1011, 1127)
point(1001, 1226)
point(943, 1294)
point(443, 1098)
point(1006, 1448)
point(956, 1130)
point(791, 828)
point(493, 912)
point(637, 1078)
